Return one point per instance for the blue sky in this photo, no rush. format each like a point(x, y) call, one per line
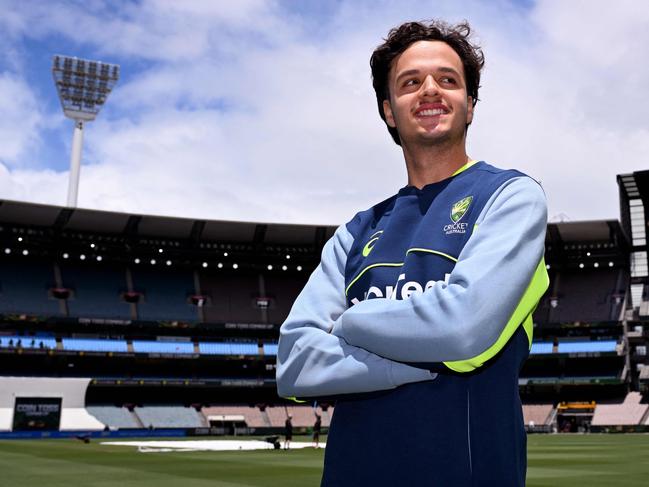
point(263, 110)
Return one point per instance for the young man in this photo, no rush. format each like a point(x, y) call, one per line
point(288, 432)
point(317, 428)
point(419, 317)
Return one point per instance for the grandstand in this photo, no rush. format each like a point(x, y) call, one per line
point(173, 323)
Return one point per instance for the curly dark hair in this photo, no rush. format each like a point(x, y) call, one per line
point(400, 38)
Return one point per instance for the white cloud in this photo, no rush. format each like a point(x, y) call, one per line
point(19, 121)
point(246, 115)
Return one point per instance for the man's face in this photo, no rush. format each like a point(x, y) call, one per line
point(428, 101)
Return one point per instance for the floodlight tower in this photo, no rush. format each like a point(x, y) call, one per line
point(83, 87)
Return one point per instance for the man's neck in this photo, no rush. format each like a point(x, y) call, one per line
point(426, 164)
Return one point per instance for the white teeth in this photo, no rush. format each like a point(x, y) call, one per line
point(428, 113)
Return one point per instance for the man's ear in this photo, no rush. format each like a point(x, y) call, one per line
point(469, 110)
point(389, 116)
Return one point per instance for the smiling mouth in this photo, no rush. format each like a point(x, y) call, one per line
point(431, 112)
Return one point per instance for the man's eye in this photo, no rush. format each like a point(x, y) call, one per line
point(410, 82)
point(448, 80)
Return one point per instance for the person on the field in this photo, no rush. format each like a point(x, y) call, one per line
point(288, 432)
point(419, 316)
point(317, 427)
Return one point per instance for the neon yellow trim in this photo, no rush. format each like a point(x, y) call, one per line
point(522, 315)
point(384, 264)
point(465, 167)
point(295, 399)
point(436, 252)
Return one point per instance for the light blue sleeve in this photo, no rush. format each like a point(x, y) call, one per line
point(463, 317)
point(313, 362)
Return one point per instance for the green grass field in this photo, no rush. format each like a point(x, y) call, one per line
point(554, 461)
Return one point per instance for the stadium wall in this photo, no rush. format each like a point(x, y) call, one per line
point(71, 391)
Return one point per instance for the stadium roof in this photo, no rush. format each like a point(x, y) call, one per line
point(107, 222)
point(586, 231)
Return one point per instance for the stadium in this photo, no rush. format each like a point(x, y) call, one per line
point(116, 326)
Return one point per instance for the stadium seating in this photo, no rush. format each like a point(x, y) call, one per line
point(539, 413)
point(303, 416)
point(270, 348)
point(224, 348)
point(165, 294)
point(115, 417)
point(284, 290)
point(587, 346)
point(147, 346)
point(27, 342)
point(97, 291)
point(232, 297)
point(594, 287)
point(629, 412)
point(253, 417)
point(170, 417)
point(541, 347)
point(24, 288)
point(94, 345)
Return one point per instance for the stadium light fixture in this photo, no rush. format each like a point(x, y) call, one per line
point(83, 87)
point(25, 252)
point(299, 268)
point(7, 251)
point(20, 239)
point(235, 266)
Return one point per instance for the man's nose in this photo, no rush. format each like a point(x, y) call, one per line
point(429, 86)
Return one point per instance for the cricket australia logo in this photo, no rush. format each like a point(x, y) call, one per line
point(458, 210)
point(370, 244)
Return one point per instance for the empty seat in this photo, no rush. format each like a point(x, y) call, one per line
point(114, 417)
point(170, 417)
point(94, 345)
point(587, 346)
point(541, 347)
point(146, 346)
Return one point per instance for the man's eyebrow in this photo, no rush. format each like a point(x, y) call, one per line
point(406, 73)
point(445, 69)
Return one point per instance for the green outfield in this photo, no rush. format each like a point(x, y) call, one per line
point(554, 461)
